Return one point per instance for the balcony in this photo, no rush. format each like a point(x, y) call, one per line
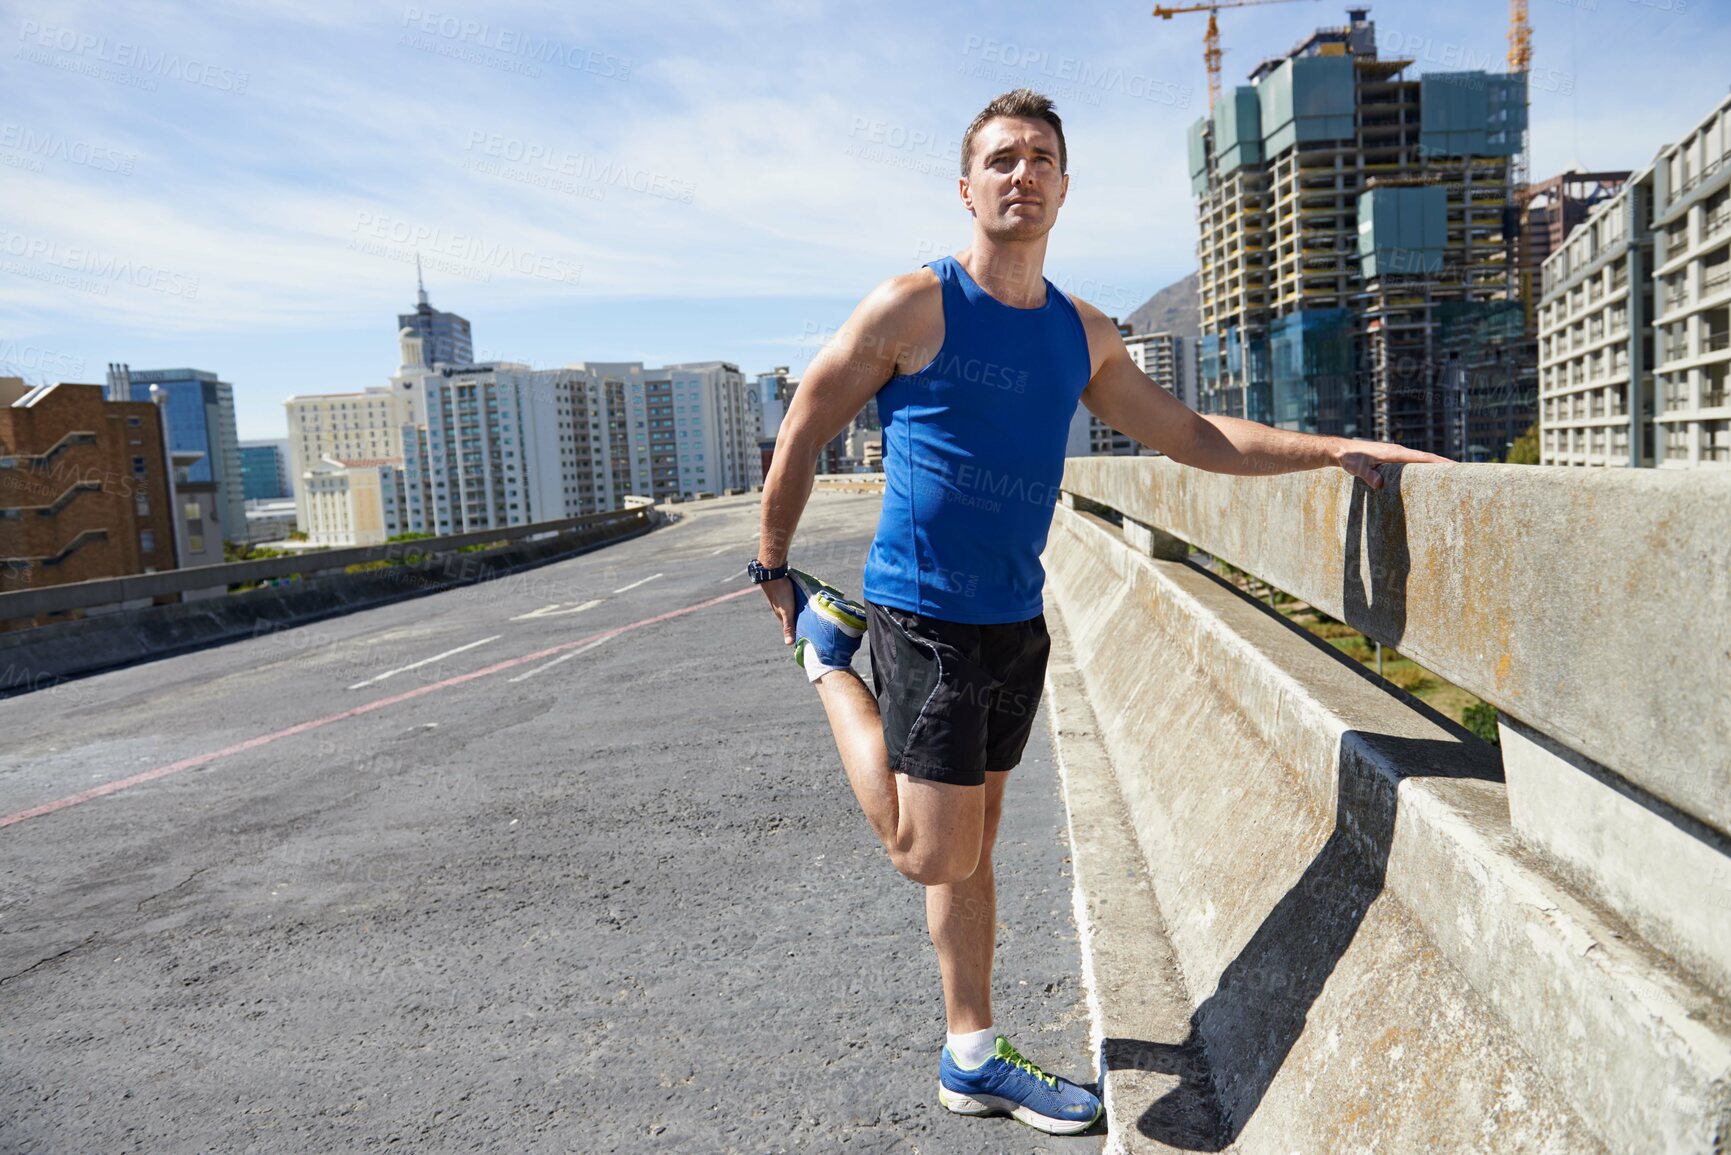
point(1714, 224)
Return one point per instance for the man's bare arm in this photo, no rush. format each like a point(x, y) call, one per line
point(1129, 401)
point(847, 372)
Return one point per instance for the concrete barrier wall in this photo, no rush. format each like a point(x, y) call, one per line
point(1591, 607)
point(1374, 961)
point(1592, 604)
point(39, 658)
point(214, 580)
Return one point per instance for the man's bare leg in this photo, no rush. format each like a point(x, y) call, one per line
point(963, 920)
point(930, 829)
point(859, 736)
point(961, 912)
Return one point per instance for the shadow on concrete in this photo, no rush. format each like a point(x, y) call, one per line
point(1241, 1035)
point(1378, 562)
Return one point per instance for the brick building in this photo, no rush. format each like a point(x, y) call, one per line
point(85, 489)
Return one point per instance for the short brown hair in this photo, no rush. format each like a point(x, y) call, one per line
point(1023, 103)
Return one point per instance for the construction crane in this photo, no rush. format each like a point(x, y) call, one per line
point(1211, 50)
point(1520, 58)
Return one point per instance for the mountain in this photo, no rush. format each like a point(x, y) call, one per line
point(1175, 309)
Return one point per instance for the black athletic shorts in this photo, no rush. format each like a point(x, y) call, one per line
point(957, 700)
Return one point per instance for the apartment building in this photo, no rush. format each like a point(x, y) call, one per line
point(1169, 359)
point(86, 489)
point(335, 427)
point(1692, 302)
point(1635, 317)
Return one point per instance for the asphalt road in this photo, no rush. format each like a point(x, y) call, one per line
point(471, 872)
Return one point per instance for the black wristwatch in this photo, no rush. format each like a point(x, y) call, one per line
point(761, 573)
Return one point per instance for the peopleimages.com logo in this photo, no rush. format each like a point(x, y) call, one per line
point(121, 54)
point(104, 267)
point(1086, 78)
point(465, 248)
point(584, 171)
point(514, 42)
point(39, 146)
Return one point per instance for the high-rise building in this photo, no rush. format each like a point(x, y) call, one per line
point(200, 412)
point(832, 456)
point(769, 397)
point(706, 439)
point(444, 337)
point(264, 470)
point(1635, 318)
point(495, 445)
point(1342, 204)
point(340, 427)
point(1169, 361)
point(507, 445)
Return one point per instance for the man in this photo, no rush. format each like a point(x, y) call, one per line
point(977, 363)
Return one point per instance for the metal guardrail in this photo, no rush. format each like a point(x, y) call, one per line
point(116, 591)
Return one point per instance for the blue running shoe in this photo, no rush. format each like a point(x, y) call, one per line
point(1007, 1083)
point(827, 628)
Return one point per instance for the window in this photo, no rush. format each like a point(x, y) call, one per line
point(146, 541)
point(142, 507)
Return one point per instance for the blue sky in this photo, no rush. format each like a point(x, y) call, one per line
point(243, 188)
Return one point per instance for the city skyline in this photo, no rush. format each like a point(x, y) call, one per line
point(210, 198)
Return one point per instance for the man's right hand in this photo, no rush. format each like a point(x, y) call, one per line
point(780, 595)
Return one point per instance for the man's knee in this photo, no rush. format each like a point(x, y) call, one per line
point(933, 864)
point(941, 829)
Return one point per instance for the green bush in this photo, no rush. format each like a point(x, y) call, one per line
point(1481, 719)
point(1525, 450)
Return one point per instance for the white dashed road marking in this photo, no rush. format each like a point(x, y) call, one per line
point(558, 609)
point(423, 662)
point(560, 658)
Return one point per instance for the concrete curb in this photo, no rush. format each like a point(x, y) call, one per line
point(1135, 991)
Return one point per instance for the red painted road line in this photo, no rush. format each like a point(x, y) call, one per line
point(302, 727)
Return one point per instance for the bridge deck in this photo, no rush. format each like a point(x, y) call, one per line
point(621, 902)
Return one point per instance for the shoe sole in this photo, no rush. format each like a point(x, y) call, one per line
point(841, 612)
point(993, 1105)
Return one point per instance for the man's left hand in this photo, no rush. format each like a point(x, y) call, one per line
point(1361, 458)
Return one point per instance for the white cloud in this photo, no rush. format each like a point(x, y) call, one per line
point(816, 146)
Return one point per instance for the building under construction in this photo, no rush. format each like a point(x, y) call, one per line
point(1356, 236)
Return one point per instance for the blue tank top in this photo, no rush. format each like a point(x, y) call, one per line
point(973, 448)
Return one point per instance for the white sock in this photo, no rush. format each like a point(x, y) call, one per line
point(973, 1048)
point(814, 669)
